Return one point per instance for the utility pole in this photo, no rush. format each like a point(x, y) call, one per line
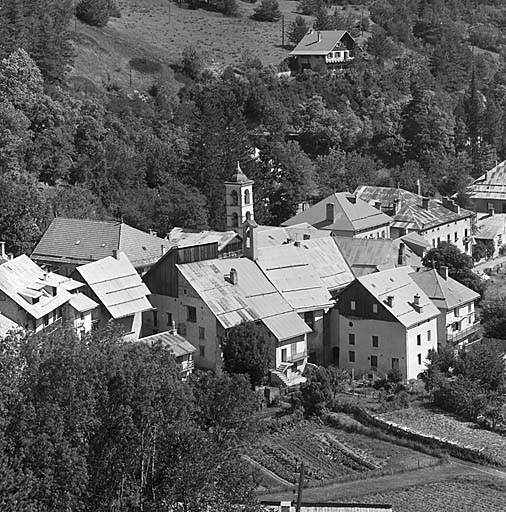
point(283, 31)
point(299, 490)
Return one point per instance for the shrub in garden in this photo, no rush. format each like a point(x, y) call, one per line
point(191, 62)
point(94, 12)
point(268, 10)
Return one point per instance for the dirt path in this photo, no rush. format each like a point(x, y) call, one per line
point(358, 488)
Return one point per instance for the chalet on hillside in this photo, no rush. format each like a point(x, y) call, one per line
point(488, 192)
point(329, 48)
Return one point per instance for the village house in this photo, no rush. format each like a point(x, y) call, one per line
point(344, 214)
point(491, 232)
point(488, 192)
point(367, 255)
point(385, 321)
point(116, 286)
point(69, 243)
point(436, 221)
point(33, 299)
point(457, 323)
point(179, 347)
point(279, 235)
point(324, 49)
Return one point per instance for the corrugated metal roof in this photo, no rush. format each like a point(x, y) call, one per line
point(286, 325)
point(80, 241)
point(367, 255)
point(82, 303)
point(23, 276)
point(288, 269)
point(252, 298)
point(318, 42)
point(445, 293)
point(328, 262)
point(399, 284)
point(274, 235)
point(350, 214)
point(491, 185)
point(117, 285)
point(410, 214)
point(173, 342)
point(183, 237)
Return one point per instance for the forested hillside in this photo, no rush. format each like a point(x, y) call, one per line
point(426, 98)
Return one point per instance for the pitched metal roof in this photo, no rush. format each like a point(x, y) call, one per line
point(82, 303)
point(173, 342)
point(445, 293)
point(117, 285)
point(22, 279)
point(289, 270)
point(80, 241)
point(253, 298)
point(328, 262)
point(185, 237)
point(351, 214)
point(318, 42)
point(367, 255)
point(489, 226)
point(491, 185)
point(399, 284)
point(279, 235)
point(410, 214)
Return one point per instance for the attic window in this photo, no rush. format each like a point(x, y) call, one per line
point(103, 245)
point(143, 248)
point(78, 242)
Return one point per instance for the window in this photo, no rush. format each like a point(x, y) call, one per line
point(456, 312)
point(418, 339)
point(395, 363)
point(202, 333)
point(428, 335)
point(375, 307)
point(433, 242)
point(235, 220)
point(309, 319)
point(438, 240)
point(469, 308)
point(448, 237)
point(246, 196)
point(191, 314)
point(351, 338)
point(456, 237)
point(202, 351)
point(81, 316)
point(283, 355)
point(374, 362)
point(182, 329)
point(465, 233)
point(383, 234)
point(351, 356)
point(155, 318)
point(375, 341)
point(45, 320)
point(419, 356)
point(169, 319)
point(235, 197)
point(248, 215)
point(353, 305)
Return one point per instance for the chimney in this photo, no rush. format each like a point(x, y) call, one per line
point(416, 300)
point(450, 204)
point(234, 279)
point(297, 243)
point(418, 187)
point(115, 254)
point(389, 300)
point(491, 212)
point(443, 271)
point(173, 330)
point(153, 233)
point(401, 258)
point(352, 199)
point(162, 249)
point(330, 213)
point(377, 205)
point(425, 203)
point(2, 251)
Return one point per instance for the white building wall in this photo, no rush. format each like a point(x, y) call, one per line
point(454, 232)
point(315, 338)
point(465, 316)
point(382, 232)
point(416, 354)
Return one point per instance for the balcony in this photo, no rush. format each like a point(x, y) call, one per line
point(186, 366)
point(297, 356)
point(456, 336)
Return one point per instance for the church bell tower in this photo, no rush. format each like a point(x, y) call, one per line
point(239, 200)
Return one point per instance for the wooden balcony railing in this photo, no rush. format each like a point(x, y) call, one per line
point(455, 336)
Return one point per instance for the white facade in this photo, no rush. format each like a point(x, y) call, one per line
point(381, 232)
point(458, 233)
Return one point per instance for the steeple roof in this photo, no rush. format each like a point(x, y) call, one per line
point(240, 177)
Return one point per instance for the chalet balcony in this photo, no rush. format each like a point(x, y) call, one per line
point(338, 58)
point(456, 336)
point(186, 366)
point(297, 356)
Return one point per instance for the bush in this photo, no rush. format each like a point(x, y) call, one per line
point(114, 10)
point(191, 62)
point(297, 30)
point(94, 12)
point(268, 10)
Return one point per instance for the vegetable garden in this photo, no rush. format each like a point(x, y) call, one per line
point(331, 455)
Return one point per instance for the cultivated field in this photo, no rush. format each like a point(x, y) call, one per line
point(443, 425)
point(331, 455)
point(464, 494)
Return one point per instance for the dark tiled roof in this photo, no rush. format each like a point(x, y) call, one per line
point(80, 241)
point(411, 214)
